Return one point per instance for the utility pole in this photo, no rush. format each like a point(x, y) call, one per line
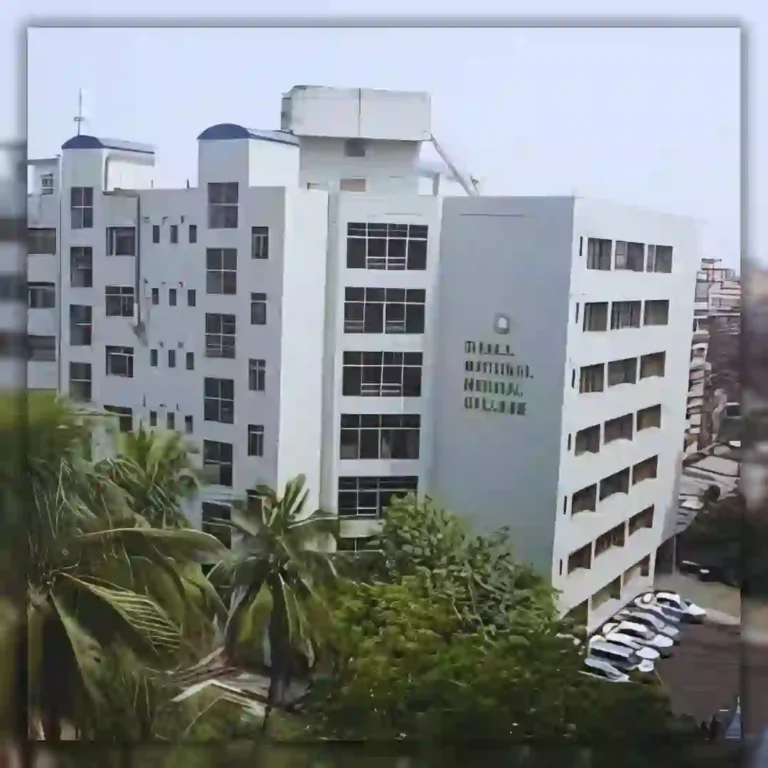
point(80, 118)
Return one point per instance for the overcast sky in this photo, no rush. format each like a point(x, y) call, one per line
point(641, 116)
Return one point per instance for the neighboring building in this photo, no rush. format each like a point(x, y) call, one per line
point(13, 293)
point(299, 311)
point(562, 356)
point(715, 352)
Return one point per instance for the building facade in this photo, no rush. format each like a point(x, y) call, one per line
point(317, 305)
point(562, 358)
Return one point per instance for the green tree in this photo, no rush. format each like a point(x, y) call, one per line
point(408, 665)
point(276, 613)
point(155, 469)
point(487, 583)
point(96, 576)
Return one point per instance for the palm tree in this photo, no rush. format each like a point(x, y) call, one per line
point(98, 579)
point(155, 468)
point(275, 611)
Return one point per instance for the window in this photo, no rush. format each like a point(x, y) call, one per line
point(46, 184)
point(259, 242)
point(258, 309)
point(657, 312)
point(354, 148)
point(219, 335)
point(155, 233)
point(81, 207)
point(598, 254)
point(124, 416)
point(659, 258)
point(368, 497)
point(13, 287)
point(41, 348)
point(645, 470)
point(580, 559)
point(41, 241)
point(641, 520)
point(356, 544)
point(616, 537)
point(384, 310)
point(255, 440)
point(170, 420)
point(174, 234)
point(592, 378)
point(172, 297)
point(119, 300)
point(153, 358)
point(596, 316)
point(171, 358)
point(371, 436)
point(387, 246)
point(622, 371)
point(41, 295)
point(222, 205)
point(120, 361)
point(219, 400)
point(257, 375)
point(382, 374)
point(630, 256)
point(121, 241)
point(221, 271)
point(653, 364)
point(153, 418)
point(611, 591)
point(352, 185)
point(588, 440)
point(81, 267)
point(217, 462)
point(613, 484)
point(193, 233)
point(80, 381)
point(190, 361)
point(80, 325)
point(620, 428)
point(647, 418)
point(214, 522)
point(155, 296)
point(584, 500)
point(188, 425)
point(625, 314)
point(191, 297)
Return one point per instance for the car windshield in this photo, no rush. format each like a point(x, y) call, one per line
point(601, 668)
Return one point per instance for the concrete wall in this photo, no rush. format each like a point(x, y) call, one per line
point(511, 257)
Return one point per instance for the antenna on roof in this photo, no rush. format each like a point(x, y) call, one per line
point(82, 115)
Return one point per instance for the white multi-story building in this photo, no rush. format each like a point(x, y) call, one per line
point(562, 363)
point(299, 311)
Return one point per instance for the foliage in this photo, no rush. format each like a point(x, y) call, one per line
point(490, 589)
point(276, 613)
point(102, 585)
point(155, 470)
point(408, 665)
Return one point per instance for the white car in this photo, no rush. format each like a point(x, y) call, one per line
point(621, 657)
point(641, 633)
point(639, 616)
point(604, 671)
point(667, 615)
point(641, 650)
point(673, 601)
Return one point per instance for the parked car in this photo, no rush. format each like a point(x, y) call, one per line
point(642, 634)
point(604, 670)
point(667, 615)
point(624, 659)
point(647, 619)
point(642, 650)
point(672, 600)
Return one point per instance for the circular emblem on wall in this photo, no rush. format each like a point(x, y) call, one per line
point(501, 324)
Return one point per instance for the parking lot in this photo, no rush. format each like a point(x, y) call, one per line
point(702, 675)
